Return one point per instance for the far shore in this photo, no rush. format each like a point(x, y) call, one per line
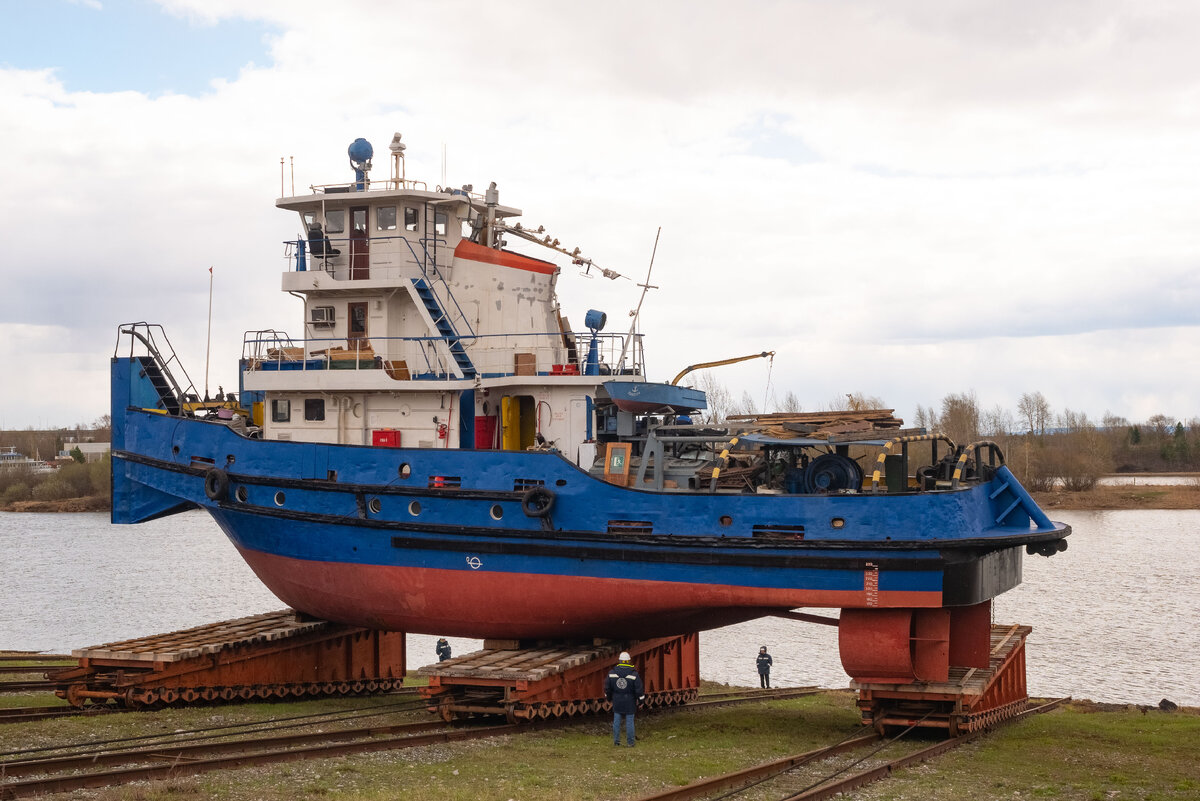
point(1100, 498)
point(1132, 496)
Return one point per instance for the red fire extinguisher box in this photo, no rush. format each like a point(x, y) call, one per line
point(385, 438)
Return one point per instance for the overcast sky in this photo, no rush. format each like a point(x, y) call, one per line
point(905, 198)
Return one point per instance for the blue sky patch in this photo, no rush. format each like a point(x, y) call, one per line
point(767, 138)
point(123, 45)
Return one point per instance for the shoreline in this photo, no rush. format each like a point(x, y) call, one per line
point(1100, 498)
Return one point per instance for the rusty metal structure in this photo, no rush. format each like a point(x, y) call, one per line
point(558, 680)
point(966, 700)
point(270, 656)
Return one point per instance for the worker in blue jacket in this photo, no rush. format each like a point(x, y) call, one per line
point(443, 650)
point(764, 667)
point(625, 689)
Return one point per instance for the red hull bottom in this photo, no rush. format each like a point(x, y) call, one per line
point(535, 606)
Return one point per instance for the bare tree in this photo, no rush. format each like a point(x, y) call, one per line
point(745, 406)
point(855, 402)
point(1034, 412)
point(926, 418)
point(720, 402)
point(960, 417)
point(1079, 455)
point(790, 403)
point(996, 422)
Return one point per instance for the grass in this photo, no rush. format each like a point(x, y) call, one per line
point(1070, 754)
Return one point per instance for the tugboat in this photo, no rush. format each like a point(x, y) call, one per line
point(440, 451)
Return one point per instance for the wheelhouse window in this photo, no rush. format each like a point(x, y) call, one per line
point(314, 409)
point(335, 221)
point(281, 411)
point(412, 218)
point(385, 218)
point(440, 221)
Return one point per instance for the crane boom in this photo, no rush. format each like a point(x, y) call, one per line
point(765, 354)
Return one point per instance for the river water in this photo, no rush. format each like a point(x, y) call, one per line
point(1113, 617)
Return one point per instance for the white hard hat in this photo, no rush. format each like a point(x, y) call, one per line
point(624, 657)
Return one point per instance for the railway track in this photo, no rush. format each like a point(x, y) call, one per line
point(100, 764)
point(26, 714)
point(816, 775)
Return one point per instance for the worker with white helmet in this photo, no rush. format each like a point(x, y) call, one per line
point(625, 689)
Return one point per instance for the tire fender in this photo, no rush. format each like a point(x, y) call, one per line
point(537, 502)
point(216, 484)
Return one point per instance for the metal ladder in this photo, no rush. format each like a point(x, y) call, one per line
point(157, 366)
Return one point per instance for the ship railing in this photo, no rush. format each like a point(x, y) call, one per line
point(384, 257)
point(428, 358)
point(150, 340)
point(386, 184)
point(433, 278)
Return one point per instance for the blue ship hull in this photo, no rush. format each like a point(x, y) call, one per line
point(450, 541)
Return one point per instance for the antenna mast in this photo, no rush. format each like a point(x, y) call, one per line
point(636, 313)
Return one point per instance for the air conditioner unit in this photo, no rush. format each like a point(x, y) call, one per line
point(321, 316)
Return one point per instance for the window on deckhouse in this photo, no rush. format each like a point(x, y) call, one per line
point(412, 219)
point(385, 218)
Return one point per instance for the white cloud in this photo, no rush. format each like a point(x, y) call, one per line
point(882, 192)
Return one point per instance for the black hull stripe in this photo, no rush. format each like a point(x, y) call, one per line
point(965, 547)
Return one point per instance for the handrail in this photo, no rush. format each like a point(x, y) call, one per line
point(449, 294)
point(975, 448)
point(879, 462)
point(492, 354)
point(155, 352)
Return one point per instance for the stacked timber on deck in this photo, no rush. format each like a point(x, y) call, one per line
point(274, 655)
point(837, 426)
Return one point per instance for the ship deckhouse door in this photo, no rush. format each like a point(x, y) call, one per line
point(356, 324)
point(518, 422)
point(360, 256)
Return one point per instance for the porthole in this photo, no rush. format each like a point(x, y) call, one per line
point(414, 508)
point(838, 522)
point(175, 449)
point(279, 498)
point(375, 506)
point(497, 511)
point(726, 520)
point(562, 482)
point(405, 470)
point(241, 494)
point(230, 458)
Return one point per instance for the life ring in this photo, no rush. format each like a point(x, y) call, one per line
point(537, 502)
point(216, 484)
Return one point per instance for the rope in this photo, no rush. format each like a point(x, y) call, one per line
point(767, 390)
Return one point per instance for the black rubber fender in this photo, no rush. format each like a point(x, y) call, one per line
point(216, 484)
point(537, 502)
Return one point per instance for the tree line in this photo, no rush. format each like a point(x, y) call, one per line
point(1046, 448)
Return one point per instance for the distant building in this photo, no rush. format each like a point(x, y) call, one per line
point(92, 451)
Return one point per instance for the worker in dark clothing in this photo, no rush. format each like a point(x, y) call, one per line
point(443, 650)
point(764, 667)
point(625, 689)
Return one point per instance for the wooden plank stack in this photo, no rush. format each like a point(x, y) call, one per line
point(825, 425)
point(529, 664)
point(176, 646)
